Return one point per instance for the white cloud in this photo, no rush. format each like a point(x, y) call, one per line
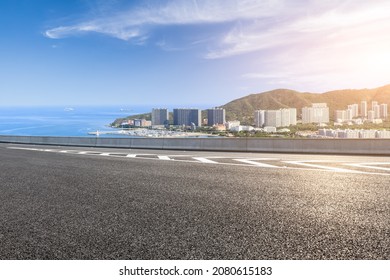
point(308, 26)
point(126, 25)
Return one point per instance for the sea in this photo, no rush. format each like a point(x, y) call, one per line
point(62, 121)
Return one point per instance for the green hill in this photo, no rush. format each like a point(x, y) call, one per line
point(243, 108)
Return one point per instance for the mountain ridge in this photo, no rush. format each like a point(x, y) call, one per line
point(243, 108)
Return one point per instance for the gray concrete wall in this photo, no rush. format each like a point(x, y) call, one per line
point(324, 146)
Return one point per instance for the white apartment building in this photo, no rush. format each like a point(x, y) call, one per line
point(363, 109)
point(348, 133)
point(318, 113)
point(293, 116)
point(231, 124)
point(259, 118)
point(276, 118)
point(354, 110)
point(351, 133)
point(383, 111)
point(160, 116)
point(273, 118)
point(377, 111)
point(383, 134)
point(340, 115)
point(367, 133)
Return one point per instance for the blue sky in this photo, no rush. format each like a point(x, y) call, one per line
point(95, 52)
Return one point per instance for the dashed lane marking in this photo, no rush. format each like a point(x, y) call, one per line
point(205, 160)
point(260, 164)
point(164, 158)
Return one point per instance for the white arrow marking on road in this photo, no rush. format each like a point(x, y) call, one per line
point(204, 160)
point(131, 155)
point(260, 164)
point(104, 154)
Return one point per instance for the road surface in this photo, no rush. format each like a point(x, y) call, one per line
point(97, 203)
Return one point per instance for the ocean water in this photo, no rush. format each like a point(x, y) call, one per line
point(60, 121)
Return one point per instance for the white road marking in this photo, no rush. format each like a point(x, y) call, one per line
point(261, 164)
point(370, 165)
point(336, 169)
point(205, 160)
point(249, 162)
point(164, 157)
point(30, 149)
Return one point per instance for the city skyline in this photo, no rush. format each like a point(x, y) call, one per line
point(186, 52)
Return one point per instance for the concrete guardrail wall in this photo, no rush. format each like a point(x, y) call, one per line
point(323, 146)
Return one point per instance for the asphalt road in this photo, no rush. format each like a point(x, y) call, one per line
point(89, 203)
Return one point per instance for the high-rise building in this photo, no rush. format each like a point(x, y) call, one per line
point(373, 104)
point(276, 118)
point(377, 111)
point(363, 109)
point(159, 116)
point(354, 110)
point(383, 111)
point(341, 115)
point(371, 115)
point(350, 114)
point(293, 116)
point(318, 113)
point(273, 118)
point(215, 116)
point(187, 117)
point(259, 118)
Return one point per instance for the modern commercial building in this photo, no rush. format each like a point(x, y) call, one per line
point(160, 116)
point(318, 113)
point(187, 117)
point(215, 116)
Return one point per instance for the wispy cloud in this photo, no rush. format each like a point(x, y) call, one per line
point(309, 25)
point(136, 22)
point(290, 36)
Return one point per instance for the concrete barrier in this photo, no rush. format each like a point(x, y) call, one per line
point(323, 146)
point(147, 143)
point(113, 142)
point(179, 144)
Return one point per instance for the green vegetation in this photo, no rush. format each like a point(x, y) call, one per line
point(243, 109)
